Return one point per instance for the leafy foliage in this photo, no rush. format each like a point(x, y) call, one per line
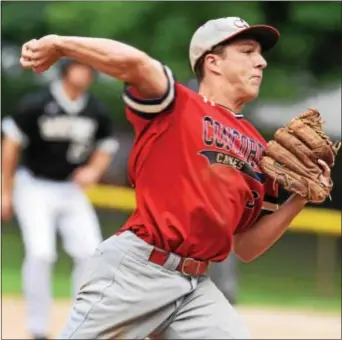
point(308, 54)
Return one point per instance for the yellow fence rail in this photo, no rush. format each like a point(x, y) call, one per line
point(313, 220)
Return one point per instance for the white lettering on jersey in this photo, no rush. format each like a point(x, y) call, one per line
point(79, 131)
point(66, 128)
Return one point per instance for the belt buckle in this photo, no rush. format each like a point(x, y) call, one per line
point(189, 262)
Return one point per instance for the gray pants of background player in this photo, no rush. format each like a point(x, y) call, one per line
point(124, 296)
point(225, 276)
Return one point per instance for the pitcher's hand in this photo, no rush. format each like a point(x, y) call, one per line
point(39, 55)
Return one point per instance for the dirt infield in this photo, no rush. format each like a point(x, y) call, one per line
point(265, 323)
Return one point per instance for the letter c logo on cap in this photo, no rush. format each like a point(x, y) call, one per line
point(239, 23)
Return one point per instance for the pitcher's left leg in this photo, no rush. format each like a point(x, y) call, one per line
point(206, 314)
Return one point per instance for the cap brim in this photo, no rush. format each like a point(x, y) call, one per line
point(266, 35)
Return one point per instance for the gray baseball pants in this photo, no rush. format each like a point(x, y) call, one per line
point(125, 296)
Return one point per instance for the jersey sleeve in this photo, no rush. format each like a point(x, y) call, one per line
point(148, 108)
point(20, 125)
point(271, 198)
point(105, 138)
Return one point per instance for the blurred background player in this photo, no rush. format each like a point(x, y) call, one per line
point(64, 135)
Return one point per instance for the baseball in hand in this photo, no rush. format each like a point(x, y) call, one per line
point(39, 55)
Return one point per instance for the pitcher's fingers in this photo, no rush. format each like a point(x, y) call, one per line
point(40, 60)
point(32, 45)
point(35, 45)
point(27, 46)
point(26, 63)
point(27, 53)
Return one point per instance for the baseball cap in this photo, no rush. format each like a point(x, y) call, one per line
point(216, 31)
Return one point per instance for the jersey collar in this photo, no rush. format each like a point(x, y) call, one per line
point(236, 115)
point(68, 105)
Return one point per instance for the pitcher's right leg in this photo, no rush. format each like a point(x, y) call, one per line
point(122, 294)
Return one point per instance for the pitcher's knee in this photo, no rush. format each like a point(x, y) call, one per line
point(41, 255)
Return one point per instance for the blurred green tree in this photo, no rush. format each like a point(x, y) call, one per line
point(308, 54)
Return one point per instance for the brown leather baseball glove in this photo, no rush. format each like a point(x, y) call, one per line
point(291, 158)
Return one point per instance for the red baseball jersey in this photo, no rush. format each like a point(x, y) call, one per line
point(194, 167)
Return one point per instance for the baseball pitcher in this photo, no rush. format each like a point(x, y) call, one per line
point(199, 188)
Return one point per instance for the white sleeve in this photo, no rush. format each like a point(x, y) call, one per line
point(12, 131)
point(109, 145)
point(152, 106)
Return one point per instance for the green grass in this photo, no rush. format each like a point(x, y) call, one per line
point(12, 255)
point(284, 276)
point(291, 292)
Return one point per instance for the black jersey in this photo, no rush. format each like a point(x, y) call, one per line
point(58, 134)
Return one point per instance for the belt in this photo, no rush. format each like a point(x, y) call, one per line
point(187, 265)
